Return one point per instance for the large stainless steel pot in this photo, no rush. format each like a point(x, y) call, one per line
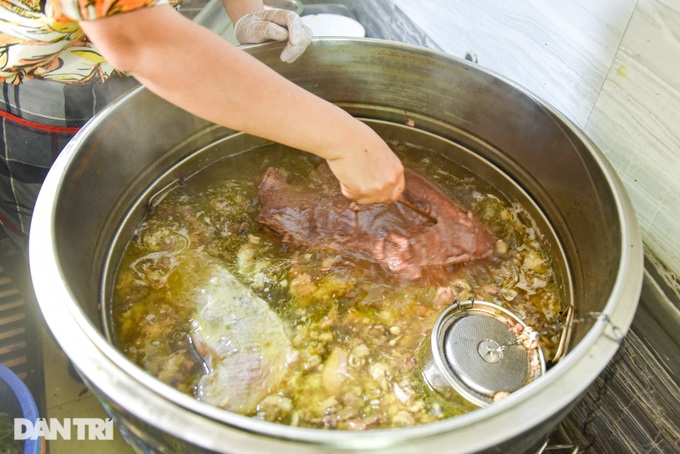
point(131, 149)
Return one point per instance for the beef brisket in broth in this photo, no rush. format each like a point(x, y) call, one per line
point(316, 215)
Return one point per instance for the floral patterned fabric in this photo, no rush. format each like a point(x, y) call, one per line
point(42, 39)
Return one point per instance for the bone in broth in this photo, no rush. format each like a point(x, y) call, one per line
point(230, 309)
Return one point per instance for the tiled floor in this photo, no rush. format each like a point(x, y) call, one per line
point(68, 398)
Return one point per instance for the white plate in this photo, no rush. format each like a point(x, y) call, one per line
point(334, 25)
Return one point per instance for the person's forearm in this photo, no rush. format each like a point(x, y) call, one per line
point(239, 8)
point(197, 70)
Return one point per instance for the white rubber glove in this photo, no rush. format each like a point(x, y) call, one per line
point(275, 25)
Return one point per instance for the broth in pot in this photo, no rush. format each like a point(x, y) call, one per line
point(214, 302)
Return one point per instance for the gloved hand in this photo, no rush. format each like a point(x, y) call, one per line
point(275, 25)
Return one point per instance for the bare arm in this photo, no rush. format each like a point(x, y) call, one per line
point(239, 8)
point(235, 90)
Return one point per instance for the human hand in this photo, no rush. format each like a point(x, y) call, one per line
point(373, 174)
point(275, 25)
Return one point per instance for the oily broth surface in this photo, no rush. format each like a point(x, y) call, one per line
point(358, 331)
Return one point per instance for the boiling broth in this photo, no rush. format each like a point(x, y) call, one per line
point(356, 329)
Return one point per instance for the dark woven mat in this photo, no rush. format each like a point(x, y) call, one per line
point(634, 406)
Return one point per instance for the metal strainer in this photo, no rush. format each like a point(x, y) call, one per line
point(481, 351)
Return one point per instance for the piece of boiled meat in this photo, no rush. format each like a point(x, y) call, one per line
point(242, 341)
point(316, 214)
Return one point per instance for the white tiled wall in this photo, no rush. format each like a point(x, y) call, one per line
point(611, 66)
point(636, 122)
